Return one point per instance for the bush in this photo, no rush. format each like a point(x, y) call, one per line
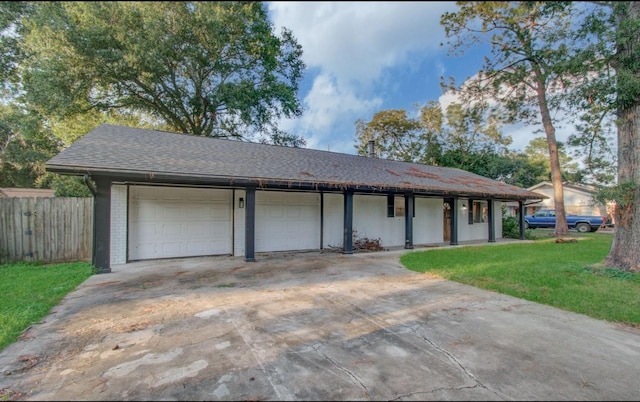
point(511, 229)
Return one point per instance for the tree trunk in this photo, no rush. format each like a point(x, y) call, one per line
point(625, 249)
point(556, 174)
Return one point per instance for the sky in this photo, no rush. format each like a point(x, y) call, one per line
point(365, 57)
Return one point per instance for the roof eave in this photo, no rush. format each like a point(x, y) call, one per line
point(241, 182)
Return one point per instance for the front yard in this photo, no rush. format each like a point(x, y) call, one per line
point(30, 290)
point(564, 275)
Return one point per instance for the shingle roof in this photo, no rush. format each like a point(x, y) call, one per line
point(117, 151)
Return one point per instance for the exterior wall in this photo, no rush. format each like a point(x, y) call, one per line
point(370, 220)
point(238, 223)
point(477, 230)
point(119, 205)
point(428, 224)
point(333, 220)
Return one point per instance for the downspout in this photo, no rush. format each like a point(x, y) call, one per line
point(86, 180)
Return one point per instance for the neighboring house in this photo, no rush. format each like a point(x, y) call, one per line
point(8, 192)
point(578, 200)
point(162, 195)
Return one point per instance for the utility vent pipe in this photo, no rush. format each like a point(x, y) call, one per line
point(372, 149)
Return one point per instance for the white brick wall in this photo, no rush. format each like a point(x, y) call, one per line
point(118, 224)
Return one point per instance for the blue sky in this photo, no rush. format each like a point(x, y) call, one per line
point(364, 57)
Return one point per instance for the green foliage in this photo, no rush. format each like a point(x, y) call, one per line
point(25, 146)
point(69, 186)
point(539, 74)
point(30, 290)
point(511, 229)
point(202, 68)
point(460, 137)
point(556, 274)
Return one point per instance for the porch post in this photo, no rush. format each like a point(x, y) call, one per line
point(250, 224)
point(348, 223)
point(454, 222)
point(521, 218)
point(101, 255)
point(492, 223)
point(408, 220)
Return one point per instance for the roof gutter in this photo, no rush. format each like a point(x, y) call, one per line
point(168, 178)
point(86, 178)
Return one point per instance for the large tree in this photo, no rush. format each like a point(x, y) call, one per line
point(615, 55)
point(525, 71)
point(625, 250)
point(202, 68)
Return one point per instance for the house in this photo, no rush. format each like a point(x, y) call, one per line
point(9, 192)
point(160, 195)
point(578, 200)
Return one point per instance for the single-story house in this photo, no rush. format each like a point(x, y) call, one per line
point(162, 195)
point(10, 192)
point(578, 200)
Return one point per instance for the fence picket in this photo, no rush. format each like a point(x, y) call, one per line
point(53, 229)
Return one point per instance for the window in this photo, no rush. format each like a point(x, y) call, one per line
point(399, 206)
point(390, 206)
point(395, 206)
point(480, 211)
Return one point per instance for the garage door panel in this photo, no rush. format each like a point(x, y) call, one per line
point(169, 211)
point(287, 221)
point(170, 230)
point(179, 222)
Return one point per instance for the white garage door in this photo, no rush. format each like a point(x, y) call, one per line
point(179, 222)
point(287, 221)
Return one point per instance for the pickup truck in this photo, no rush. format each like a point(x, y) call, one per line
point(546, 218)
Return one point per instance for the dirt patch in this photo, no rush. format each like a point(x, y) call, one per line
point(26, 363)
point(9, 394)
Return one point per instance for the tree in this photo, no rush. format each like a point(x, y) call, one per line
point(25, 146)
point(625, 249)
point(395, 136)
point(615, 54)
point(525, 73)
point(467, 138)
point(472, 137)
point(203, 68)
point(537, 152)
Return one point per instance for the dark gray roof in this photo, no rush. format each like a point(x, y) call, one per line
point(126, 153)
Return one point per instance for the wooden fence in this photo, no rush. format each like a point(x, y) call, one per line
point(54, 229)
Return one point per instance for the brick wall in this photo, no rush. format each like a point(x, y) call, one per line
point(119, 224)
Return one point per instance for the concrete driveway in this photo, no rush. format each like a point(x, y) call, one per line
point(311, 327)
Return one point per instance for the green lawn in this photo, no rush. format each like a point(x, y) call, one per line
point(569, 276)
point(28, 291)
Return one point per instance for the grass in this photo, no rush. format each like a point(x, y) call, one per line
point(30, 290)
point(569, 276)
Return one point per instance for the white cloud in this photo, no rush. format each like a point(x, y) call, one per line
point(355, 41)
point(350, 45)
point(331, 108)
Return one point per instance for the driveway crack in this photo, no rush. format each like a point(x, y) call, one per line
point(411, 394)
point(348, 372)
point(452, 358)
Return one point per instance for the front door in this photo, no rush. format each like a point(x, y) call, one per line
point(446, 235)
